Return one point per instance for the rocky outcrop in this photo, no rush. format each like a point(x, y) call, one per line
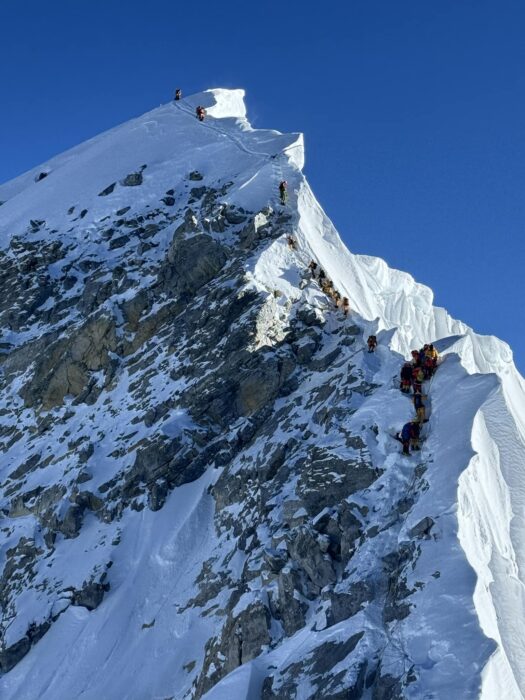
point(69, 364)
point(192, 262)
point(150, 358)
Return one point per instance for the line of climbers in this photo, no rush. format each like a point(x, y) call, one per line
point(201, 114)
point(317, 274)
point(421, 368)
point(325, 283)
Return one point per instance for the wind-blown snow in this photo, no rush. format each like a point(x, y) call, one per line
point(477, 429)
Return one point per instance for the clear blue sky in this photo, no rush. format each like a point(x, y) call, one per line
point(413, 113)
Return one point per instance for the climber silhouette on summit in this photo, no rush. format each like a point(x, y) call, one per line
point(201, 113)
point(178, 94)
point(283, 191)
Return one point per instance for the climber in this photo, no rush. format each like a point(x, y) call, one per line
point(292, 244)
point(327, 286)
point(428, 367)
point(308, 274)
point(322, 274)
point(337, 299)
point(283, 191)
point(178, 94)
point(409, 436)
point(415, 358)
point(418, 377)
point(345, 306)
point(313, 268)
point(201, 113)
point(433, 354)
point(420, 407)
point(372, 343)
point(406, 377)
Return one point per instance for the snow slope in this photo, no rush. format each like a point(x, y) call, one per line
point(464, 637)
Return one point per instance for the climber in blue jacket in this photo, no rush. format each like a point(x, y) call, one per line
point(409, 436)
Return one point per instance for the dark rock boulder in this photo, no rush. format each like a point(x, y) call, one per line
point(423, 528)
point(132, 180)
point(72, 522)
point(90, 595)
point(193, 262)
point(10, 656)
point(108, 190)
point(257, 388)
point(345, 605)
point(304, 549)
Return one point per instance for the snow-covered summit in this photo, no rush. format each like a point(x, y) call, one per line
point(169, 140)
point(198, 473)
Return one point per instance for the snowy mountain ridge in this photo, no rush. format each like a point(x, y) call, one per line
point(198, 468)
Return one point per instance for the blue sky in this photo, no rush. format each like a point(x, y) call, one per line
point(413, 114)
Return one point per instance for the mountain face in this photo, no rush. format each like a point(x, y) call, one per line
point(201, 496)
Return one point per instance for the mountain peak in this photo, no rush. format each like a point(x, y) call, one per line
point(161, 144)
point(200, 474)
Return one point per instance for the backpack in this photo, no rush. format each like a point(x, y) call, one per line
point(414, 430)
point(406, 373)
point(406, 433)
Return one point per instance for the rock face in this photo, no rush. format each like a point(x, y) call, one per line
point(204, 320)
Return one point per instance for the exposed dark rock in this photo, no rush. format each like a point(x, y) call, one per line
point(119, 242)
point(197, 192)
point(193, 262)
point(233, 215)
point(108, 190)
point(72, 522)
point(327, 479)
point(291, 610)
point(345, 605)
point(275, 559)
point(386, 688)
point(157, 495)
point(423, 527)
point(303, 548)
point(10, 656)
point(90, 595)
point(132, 180)
point(310, 316)
point(242, 639)
point(257, 388)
